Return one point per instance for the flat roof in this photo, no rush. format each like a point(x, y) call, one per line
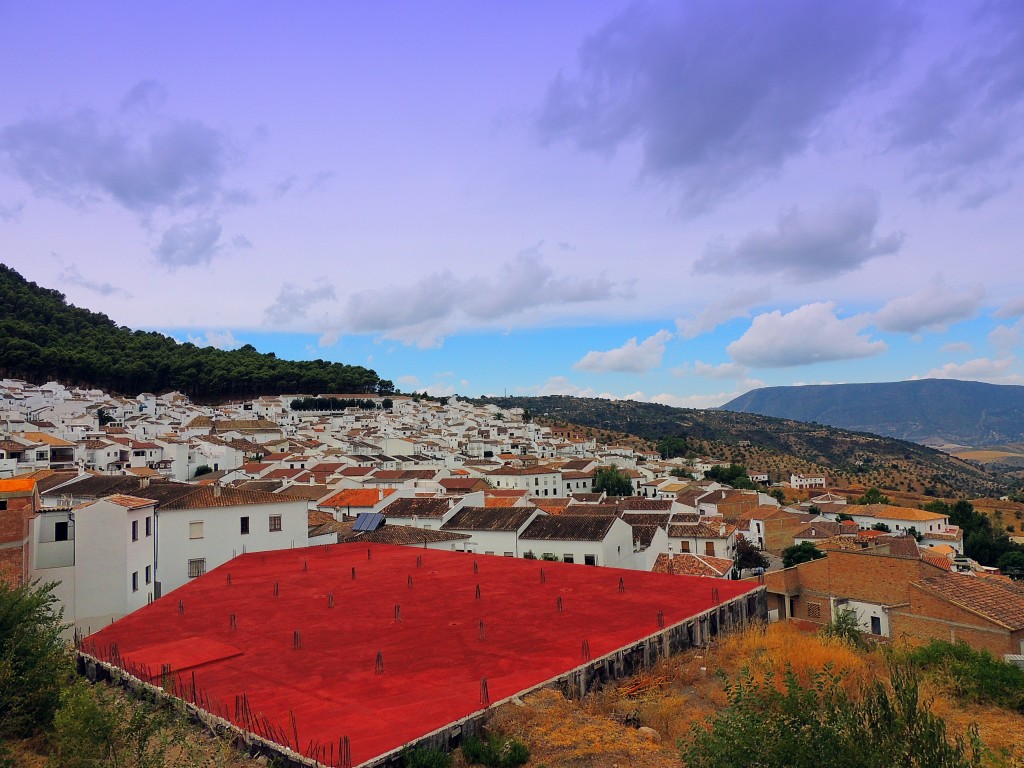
point(434, 656)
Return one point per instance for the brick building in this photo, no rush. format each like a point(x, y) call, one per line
point(902, 597)
point(19, 501)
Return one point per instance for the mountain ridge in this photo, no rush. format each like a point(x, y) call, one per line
point(925, 411)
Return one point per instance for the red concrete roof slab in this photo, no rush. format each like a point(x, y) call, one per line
point(433, 655)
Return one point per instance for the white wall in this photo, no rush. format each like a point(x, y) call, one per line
point(222, 538)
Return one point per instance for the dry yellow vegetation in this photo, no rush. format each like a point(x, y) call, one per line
point(605, 729)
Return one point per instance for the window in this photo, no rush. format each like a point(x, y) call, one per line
point(275, 523)
point(245, 525)
point(149, 525)
point(709, 548)
point(567, 558)
point(135, 581)
point(814, 610)
point(135, 530)
point(195, 529)
point(60, 531)
point(196, 567)
point(149, 574)
point(509, 554)
point(684, 546)
point(876, 625)
point(590, 559)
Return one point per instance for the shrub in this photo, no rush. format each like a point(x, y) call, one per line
point(34, 663)
point(495, 752)
point(819, 725)
point(426, 758)
point(202, 469)
point(977, 676)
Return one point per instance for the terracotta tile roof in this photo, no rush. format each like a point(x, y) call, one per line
point(307, 492)
point(205, 496)
point(640, 503)
point(406, 534)
point(418, 507)
point(938, 560)
point(17, 486)
point(998, 601)
point(890, 512)
point(689, 564)
point(130, 502)
point(568, 528)
point(608, 510)
point(648, 518)
point(357, 497)
point(588, 497)
point(489, 519)
point(496, 502)
point(699, 530)
point(644, 534)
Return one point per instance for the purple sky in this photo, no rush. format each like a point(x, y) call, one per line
point(674, 202)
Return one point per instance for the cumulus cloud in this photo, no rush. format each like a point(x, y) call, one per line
point(80, 156)
point(71, 276)
point(293, 303)
point(933, 308)
point(1006, 337)
point(737, 304)
point(720, 93)
point(423, 312)
point(1012, 308)
point(807, 246)
point(189, 244)
point(712, 400)
point(961, 121)
point(218, 339)
point(722, 371)
point(994, 371)
point(809, 334)
point(144, 95)
point(631, 357)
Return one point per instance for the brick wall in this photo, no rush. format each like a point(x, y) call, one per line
point(14, 533)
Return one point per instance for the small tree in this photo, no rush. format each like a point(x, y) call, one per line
point(612, 482)
point(800, 553)
point(203, 469)
point(873, 496)
point(749, 556)
point(881, 527)
point(34, 662)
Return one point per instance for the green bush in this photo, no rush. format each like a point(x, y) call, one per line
point(495, 752)
point(977, 676)
point(426, 758)
point(820, 726)
point(34, 661)
point(95, 726)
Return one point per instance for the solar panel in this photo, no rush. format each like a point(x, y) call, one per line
point(368, 521)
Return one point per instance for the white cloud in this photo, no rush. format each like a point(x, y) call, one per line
point(994, 371)
point(707, 400)
point(424, 312)
point(809, 334)
point(218, 339)
point(1006, 337)
point(293, 303)
point(631, 357)
point(722, 371)
point(409, 381)
point(737, 304)
point(189, 244)
point(808, 246)
point(1012, 308)
point(933, 308)
point(957, 346)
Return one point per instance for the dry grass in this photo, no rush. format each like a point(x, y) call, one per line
point(685, 690)
point(988, 457)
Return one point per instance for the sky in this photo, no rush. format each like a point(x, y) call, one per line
point(666, 201)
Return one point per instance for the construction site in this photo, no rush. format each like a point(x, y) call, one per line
point(344, 655)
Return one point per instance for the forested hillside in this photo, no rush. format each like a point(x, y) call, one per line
point(754, 440)
point(43, 338)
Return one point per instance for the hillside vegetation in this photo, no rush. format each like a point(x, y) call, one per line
point(770, 697)
point(42, 338)
point(938, 411)
point(777, 446)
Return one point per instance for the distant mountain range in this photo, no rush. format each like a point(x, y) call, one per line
point(929, 411)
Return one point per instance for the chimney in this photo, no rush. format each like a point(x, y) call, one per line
point(216, 489)
point(143, 482)
point(721, 530)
